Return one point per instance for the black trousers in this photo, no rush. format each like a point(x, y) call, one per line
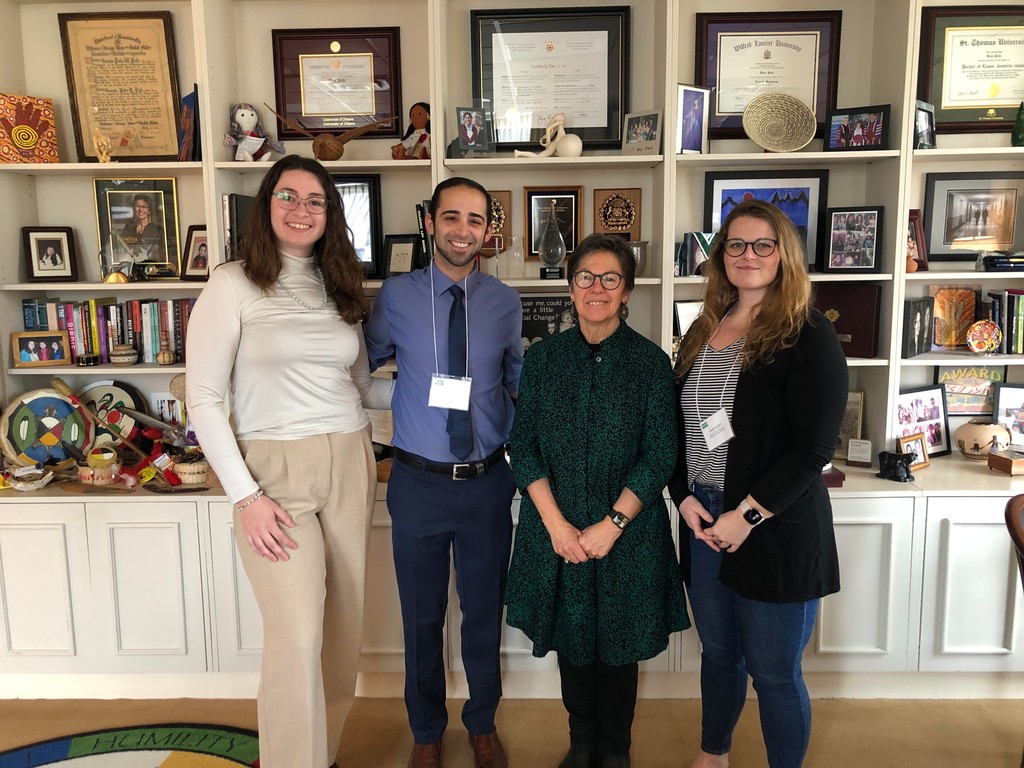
point(601, 700)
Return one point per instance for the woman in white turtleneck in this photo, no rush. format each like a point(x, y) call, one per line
point(280, 330)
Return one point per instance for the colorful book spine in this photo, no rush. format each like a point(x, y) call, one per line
point(30, 318)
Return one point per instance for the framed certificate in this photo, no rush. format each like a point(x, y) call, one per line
point(971, 67)
point(333, 80)
point(530, 64)
point(741, 55)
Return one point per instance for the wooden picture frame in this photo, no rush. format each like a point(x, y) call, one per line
point(917, 247)
point(50, 255)
point(800, 194)
point(401, 253)
point(593, 93)
point(195, 259)
point(970, 389)
point(1009, 410)
point(536, 204)
point(500, 237)
point(641, 133)
point(857, 129)
point(917, 445)
point(923, 409)
point(122, 84)
point(924, 125)
point(955, 41)
point(361, 199)
point(972, 211)
point(617, 212)
point(692, 120)
point(855, 240)
point(731, 61)
point(35, 349)
point(334, 80)
point(852, 424)
point(129, 234)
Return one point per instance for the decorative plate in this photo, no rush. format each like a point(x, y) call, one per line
point(984, 337)
point(779, 122)
point(43, 426)
point(105, 398)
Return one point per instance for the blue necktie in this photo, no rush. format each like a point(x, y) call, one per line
point(460, 431)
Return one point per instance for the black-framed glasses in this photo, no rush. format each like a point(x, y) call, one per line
point(763, 247)
point(585, 278)
point(290, 201)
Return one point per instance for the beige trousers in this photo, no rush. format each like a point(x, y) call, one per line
point(311, 604)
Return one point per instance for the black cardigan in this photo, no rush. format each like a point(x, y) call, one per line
point(786, 418)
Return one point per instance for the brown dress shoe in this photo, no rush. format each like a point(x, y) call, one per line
point(425, 756)
point(487, 751)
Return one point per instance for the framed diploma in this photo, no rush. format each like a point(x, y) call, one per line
point(741, 55)
point(122, 84)
point(971, 66)
point(333, 80)
point(530, 64)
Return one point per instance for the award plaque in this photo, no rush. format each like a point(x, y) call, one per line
point(617, 212)
point(501, 223)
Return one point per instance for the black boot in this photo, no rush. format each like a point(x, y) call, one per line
point(613, 761)
point(579, 756)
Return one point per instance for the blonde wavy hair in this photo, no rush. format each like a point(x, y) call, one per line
point(786, 303)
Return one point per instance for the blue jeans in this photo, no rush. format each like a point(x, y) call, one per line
point(740, 636)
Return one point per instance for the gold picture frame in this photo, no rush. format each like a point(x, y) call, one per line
point(39, 349)
point(916, 445)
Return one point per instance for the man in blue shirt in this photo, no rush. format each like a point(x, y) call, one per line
point(450, 486)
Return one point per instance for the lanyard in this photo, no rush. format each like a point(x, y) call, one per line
point(433, 319)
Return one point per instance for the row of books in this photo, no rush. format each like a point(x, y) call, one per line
point(942, 320)
point(94, 326)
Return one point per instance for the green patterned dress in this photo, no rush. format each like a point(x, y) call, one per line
point(594, 423)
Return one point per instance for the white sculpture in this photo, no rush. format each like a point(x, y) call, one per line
point(556, 141)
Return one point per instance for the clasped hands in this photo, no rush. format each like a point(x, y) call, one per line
point(727, 533)
point(261, 522)
point(576, 546)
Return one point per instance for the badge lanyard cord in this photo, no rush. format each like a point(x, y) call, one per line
point(433, 321)
point(700, 367)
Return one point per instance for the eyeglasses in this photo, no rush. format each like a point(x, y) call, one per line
point(609, 280)
point(763, 247)
point(290, 201)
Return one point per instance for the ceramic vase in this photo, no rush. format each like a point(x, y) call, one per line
point(979, 436)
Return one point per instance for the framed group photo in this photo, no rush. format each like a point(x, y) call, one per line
point(972, 211)
point(137, 221)
point(1009, 410)
point(36, 349)
point(692, 120)
point(855, 240)
point(924, 410)
point(49, 254)
point(195, 259)
point(539, 204)
point(855, 129)
point(916, 444)
point(642, 133)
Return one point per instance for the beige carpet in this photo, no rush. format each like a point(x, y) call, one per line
point(847, 733)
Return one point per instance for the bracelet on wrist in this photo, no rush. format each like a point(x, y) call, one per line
point(250, 500)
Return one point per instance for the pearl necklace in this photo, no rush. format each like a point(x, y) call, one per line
point(300, 302)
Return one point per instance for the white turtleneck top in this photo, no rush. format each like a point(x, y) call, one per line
point(290, 371)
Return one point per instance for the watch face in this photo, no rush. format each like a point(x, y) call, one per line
point(752, 516)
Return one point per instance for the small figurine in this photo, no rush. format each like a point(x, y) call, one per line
point(248, 136)
point(101, 144)
point(415, 144)
point(561, 144)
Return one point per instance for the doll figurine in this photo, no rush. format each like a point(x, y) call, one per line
point(415, 144)
point(251, 142)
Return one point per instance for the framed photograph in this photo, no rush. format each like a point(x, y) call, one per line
point(539, 204)
point(360, 197)
point(641, 134)
point(970, 389)
point(544, 316)
point(474, 129)
point(970, 66)
point(801, 195)
point(50, 254)
point(687, 310)
point(855, 240)
point(692, 120)
point(617, 212)
point(195, 259)
point(532, 63)
point(124, 96)
point(917, 248)
point(917, 445)
point(400, 253)
point(741, 55)
point(333, 80)
point(851, 425)
point(137, 221)
point(501, 223)
point(917, 326)
point(1009, 410)
point(35, 349)
point(973, 211)
point(924, 125)
point(924, 410)
point(857, 128)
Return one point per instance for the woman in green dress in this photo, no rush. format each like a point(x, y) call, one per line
point(594, 574)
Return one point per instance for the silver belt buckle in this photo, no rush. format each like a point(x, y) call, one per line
point(455, 471)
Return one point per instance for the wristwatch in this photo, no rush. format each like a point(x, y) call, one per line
point(750, 514)
point(619, 519)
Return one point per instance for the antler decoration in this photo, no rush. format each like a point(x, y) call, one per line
point(326, 146)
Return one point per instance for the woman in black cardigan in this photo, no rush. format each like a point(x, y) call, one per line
point(762, 385)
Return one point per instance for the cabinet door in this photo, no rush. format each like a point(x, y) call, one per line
point(45, 617)
point(237, 626)
point(866, 625)
point(971, 597)
point(147, 586)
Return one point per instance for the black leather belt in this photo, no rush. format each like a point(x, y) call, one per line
point(466, 471)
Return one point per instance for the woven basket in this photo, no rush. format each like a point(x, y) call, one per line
point(778, 122)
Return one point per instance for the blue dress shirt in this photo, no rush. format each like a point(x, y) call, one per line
point(400, 325)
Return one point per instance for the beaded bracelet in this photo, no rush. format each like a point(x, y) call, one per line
point(250, 500)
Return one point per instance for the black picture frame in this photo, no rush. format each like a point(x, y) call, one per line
point(841, 129)
point(536, 204)
point(305, 57)
point(718, 34)
point(924, 125)
point(361, 199)
point(50, 255)
point(476, 136)
point(992, 200)
point(401, 253)
point(956, 28)
point(153, 254)
point(544, 316)
point(1009, 410)
point(918, 317)
point(800, 194)
point(970, 389)
point(558, 25)
point(855, 240)
point(195, 258)
point(923, 409)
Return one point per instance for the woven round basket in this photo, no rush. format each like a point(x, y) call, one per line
point(778, 122)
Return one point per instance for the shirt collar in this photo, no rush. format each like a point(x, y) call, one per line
point(442, 282)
